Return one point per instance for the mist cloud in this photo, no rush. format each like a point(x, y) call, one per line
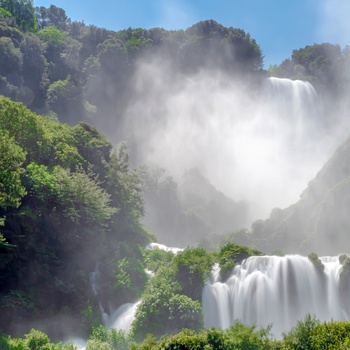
point(261, 143)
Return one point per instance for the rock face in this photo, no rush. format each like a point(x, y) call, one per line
point(320, 220)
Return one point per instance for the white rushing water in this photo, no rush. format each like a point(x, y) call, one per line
point(263, 290)
point(122, 318)
point(293, 110)
point(174, 250)
point(277, 291)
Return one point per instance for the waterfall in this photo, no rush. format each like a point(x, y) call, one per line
point(293, 109)
point(94, 276)
point(174, 250)
point(122, 318)
point(277, 291)
point(299, 96)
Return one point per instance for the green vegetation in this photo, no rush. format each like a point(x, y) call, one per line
point(34, 340)
point(232, 254)
point(238, 337)
point(171, 300)
point(83, 72)
point(308, 334)
point(65, 196)
point(300, 337)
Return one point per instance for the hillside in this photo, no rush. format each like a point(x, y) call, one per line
point(67, 202)
point(320, 220)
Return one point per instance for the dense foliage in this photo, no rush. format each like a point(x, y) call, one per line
point(67, 202)
point(232, 254)
point(81, 72)
point(172, 298)
point(308, 334)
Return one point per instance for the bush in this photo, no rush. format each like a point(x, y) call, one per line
point(36, 340)
point(332, 336)
point(300, 336)
point(238, 337)
point(163, 311)
point(231, 254)
point(95, 344)
point(156, 258)
point(117, 339)
point(193, 268)
point(241, 337)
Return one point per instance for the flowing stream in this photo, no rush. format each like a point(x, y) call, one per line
point(277, 291)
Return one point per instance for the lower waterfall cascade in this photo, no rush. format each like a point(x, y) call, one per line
point(263, 291)
point(276, 291)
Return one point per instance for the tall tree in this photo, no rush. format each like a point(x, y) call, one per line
point(23, 11)
point(52, 16)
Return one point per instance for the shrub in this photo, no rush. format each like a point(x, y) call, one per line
point(332, 336)
point(231, 254)
point(156, 258)
point(300, 336)
point(95, 344)
point(36, 340)
point(241, 337)
point(117, 339)
point(163, 311)
point(238, 337)
point(193, 267)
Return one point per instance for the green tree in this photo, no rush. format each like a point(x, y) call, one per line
point(34, 71)
point(164, 312)
point(11, 189)
point(23, 11)
point(52, 16)
point(25, 127)
point(125, 186)
point(193, 267)
point(65, 98)
point(331, 335)
point(232, 254)
point(12, 157)
point(61, 52)
point(11, 61)
point(300, 336)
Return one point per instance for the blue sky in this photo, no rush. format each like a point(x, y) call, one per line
point(278, 26)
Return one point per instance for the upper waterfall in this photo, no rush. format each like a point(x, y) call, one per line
point(277, 291)
point(293, 107)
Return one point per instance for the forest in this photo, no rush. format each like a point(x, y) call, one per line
point(87, 183)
